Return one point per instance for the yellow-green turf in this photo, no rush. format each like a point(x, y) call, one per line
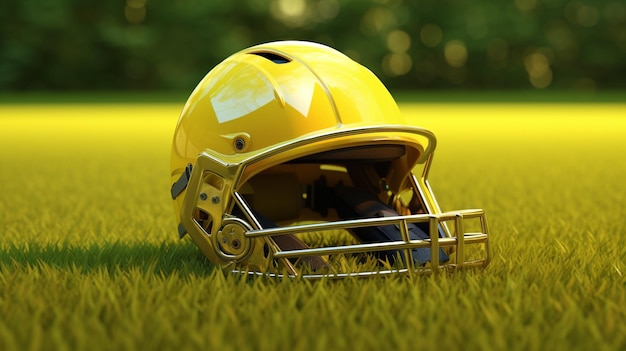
point(90, 260)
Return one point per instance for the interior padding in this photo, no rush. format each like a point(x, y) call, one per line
point(278, 197)
point(357, 154)
point(354, 203)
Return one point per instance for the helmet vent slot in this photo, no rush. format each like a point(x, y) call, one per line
point(273, 57)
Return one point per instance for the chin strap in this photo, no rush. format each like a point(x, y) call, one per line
point(358, 203)
point(181, 183)
point(181, 230)
point(177, 189)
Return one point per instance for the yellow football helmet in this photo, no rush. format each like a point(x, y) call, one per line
point(289, 158)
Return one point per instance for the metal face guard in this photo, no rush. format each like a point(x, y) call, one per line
point(458, 243)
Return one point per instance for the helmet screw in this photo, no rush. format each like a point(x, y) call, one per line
point(215, 199)
point(203, 196)
point(235, 244)
point(240, 143)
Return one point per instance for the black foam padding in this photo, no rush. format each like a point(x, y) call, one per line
point(357, 154)
point(353, 203)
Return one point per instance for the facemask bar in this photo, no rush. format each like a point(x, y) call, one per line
point(459, 243)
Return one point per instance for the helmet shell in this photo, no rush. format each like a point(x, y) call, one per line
point(263, 107)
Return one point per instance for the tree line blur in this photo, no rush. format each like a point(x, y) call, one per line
point(80, 45)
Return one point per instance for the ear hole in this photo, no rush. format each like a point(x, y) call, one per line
point(213, 180)
point(204, 220)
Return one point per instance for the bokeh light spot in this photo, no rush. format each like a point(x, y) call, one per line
point(587, 16)
point(476, 22)
point(582, 15)
point(541, 82)
point(560, 35)
point(292, 13)
point(291, 8)
point(376, 20)
point(431, 35)
point(328, 9)
point(525, 5)
point(398, 41)
point(538, 67)
point(135, 11)
point(397, 64)
point(455, 53)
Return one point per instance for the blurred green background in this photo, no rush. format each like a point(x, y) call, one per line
point(427, 45)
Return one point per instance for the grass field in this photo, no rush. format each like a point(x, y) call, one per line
point(89, 255)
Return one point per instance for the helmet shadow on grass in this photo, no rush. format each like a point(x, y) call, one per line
point(166, 259)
